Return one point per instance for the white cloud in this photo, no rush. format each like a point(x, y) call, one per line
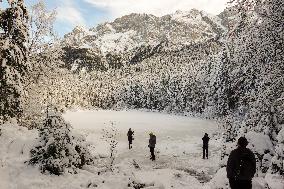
point(157, 7)
point(68, 12)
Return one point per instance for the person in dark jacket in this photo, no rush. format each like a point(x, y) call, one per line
point(205, 140)
point(241, 166)
point(152, 144)
point(130, 134)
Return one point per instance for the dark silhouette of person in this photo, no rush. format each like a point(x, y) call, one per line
point(205, 140)
point(241, 166)
point(130, 134)
point(152, 144)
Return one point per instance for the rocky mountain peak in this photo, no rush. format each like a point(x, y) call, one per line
point(130, 31)
point(135, 34)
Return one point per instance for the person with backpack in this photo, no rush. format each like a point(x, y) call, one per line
point(205, 140)
point(130, 134)
point(241, 166)
point(152, 144)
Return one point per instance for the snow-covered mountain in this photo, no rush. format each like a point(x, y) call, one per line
point(130, 31)
point(144, 33)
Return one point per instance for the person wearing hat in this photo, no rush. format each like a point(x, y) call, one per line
point(241, 166)
point(152, 144)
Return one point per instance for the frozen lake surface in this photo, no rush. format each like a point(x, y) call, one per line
point(179, 143)
point(176, 133)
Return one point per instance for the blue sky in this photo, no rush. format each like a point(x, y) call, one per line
point(71, 13)
point(89, 13)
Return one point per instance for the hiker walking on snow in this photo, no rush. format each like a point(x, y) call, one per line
point(130, 134)
point(205, 140)
point(152, 144)
point(241, 166)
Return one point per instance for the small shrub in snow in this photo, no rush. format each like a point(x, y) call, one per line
point(110, 136)
point(58, 149)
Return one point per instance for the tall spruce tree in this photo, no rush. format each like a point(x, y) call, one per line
point(13, 58)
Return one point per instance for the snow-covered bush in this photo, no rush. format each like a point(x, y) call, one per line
point(59, 150)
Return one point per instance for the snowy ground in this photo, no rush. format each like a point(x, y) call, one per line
point(179, 161)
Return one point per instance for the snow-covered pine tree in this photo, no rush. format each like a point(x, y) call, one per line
point(59, 150)
point(222, 95)
point(13, 58)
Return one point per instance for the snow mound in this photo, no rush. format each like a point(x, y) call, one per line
point(259, 142)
